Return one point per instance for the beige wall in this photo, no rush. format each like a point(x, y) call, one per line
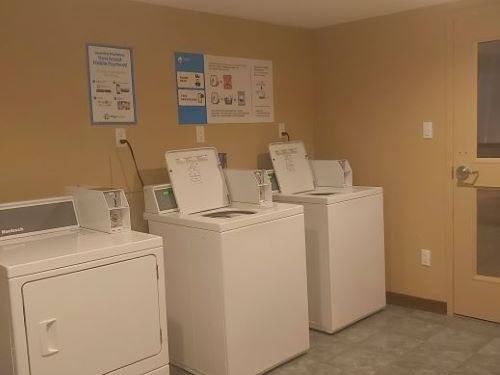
point(378, 80)
point(46, 140)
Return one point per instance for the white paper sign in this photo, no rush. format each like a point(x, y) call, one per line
point(111, 85)
point(191, 98)
point(238, 90)
point(190, 80)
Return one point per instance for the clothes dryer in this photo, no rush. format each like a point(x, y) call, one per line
point(77, 301)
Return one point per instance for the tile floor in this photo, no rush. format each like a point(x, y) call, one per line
point(400, 341)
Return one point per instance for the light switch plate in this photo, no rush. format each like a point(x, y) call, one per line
point(425, 257)
point(427, 130)
point(200, 134)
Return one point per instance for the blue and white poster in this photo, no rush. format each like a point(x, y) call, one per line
point(221, 90)
point(111, 85)
point(191, 96)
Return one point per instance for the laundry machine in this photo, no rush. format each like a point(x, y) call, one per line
point(235, 272)
point(78, 301)
point(344, 237)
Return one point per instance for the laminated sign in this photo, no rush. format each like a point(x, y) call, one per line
point(221, 90)
point(111, 85)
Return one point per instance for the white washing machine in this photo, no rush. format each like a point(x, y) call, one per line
point(77, 301)
point(235, 273)
point(344, 241)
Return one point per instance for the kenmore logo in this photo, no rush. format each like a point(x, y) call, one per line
point(12, 230)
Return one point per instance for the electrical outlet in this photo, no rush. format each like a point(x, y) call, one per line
point(200, 134)
point(281, 129)
point(425, 257)
point(120, 134)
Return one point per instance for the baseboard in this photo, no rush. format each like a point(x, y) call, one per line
point(418, 303)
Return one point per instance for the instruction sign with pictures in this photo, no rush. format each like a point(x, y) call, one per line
point(218, 90)
point(112, 98)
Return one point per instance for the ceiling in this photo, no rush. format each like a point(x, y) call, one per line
point(302, 13)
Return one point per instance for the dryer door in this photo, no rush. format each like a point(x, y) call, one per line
point(93, 321)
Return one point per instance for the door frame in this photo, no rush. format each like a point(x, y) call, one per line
point(449, 227)
point(462, 10)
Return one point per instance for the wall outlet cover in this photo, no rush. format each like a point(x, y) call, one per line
point(281, 129)
point(200, 134)
point(120, 134)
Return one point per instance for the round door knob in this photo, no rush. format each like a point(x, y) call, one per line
point(463, 173)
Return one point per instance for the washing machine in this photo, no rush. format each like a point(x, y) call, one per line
point(78, 301)
point(235, 273)
point(344, 240)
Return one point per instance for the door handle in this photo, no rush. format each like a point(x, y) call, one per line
point(48, 337)
point(463, 173)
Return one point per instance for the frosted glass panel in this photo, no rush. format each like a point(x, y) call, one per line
point(488, 232)
point(488, 105)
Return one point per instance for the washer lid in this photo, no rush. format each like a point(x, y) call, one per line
point(197, 179)
point(292, 167)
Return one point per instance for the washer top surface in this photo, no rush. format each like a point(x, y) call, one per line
point(43, 252)
point(235, 216)
point(328, 195)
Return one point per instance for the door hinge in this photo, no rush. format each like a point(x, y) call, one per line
point(161, 336)
point(157, 273)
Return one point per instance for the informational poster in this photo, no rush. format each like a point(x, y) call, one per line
point(218, 90)
point(112, 98)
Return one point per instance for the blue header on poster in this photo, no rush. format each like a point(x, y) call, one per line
point(189, 62)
